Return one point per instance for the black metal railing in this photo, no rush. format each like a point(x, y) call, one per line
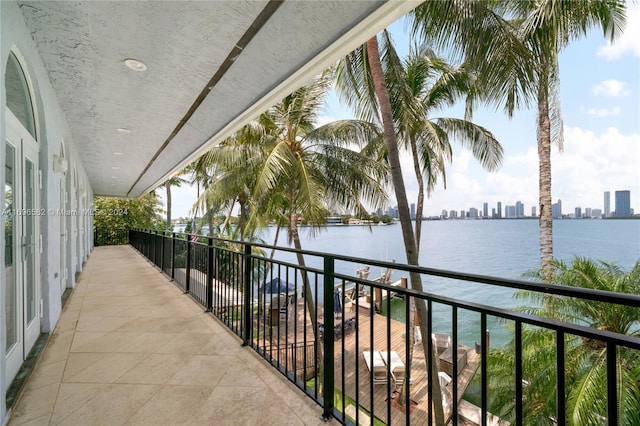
point(110, 236)
point(350, 341)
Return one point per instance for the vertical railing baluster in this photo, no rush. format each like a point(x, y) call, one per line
point(483, 367)
point(247, 295)
point(209, 270)
point(173, 256)
point(519, 378)
point(328, 337)
point(560, 380)
point(454, 384)
point(187, 280)
point(612, 382)
point(430, 361)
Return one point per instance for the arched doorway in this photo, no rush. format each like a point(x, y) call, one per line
point(22, 219)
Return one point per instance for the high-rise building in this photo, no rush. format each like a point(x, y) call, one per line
point(453, 214)
point(533, 211)
point(462, 214)
point(556, 210)
point(413, 211)
point(578, 212)
point(607, 204)
point(493, 212)
point(499, 209)
point(485, 210)
point(587, 212)
point(597, 213)
point(510, 212)
point(473, 212)
point(623, 203)
point(519, 209)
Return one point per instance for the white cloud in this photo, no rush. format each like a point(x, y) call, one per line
point(593, 163)
point(603, 112)
point(629, 41)
point(590, 164)
point(611, 88)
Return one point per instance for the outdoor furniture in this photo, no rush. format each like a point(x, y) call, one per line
point(441, 341)
point(376, 365)
point(446, 360)
point(396, 366)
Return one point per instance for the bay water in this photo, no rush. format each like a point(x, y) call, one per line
point(499, 248)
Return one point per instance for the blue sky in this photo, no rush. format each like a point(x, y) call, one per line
point(600, 100)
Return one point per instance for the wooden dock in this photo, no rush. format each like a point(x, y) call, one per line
point(379, 333)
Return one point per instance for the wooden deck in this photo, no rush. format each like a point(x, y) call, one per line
point(373, 332)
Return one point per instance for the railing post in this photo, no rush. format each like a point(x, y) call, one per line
point(187, 280)
point(173, 256)
point(162, 249)
point(210, 276)
point(328, 337)
point(246, 309)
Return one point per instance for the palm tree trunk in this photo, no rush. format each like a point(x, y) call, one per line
point(311, 306)
point(377, 75)
point(167, 186)
point(544, 157)
point(420, 206)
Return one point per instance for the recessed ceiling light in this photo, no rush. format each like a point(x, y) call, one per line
point(115, 168)
point(135, 64)
point(123, 130)
point(118, 153)
point(114, 177)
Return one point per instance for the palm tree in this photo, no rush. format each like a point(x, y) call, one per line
point(421, 84)
point(585, 360)
point(299, 168)
point(361, 80)
point(173, 181)
point(517, 62)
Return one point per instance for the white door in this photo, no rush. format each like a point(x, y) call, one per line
point(22, 244)
point(63, 235)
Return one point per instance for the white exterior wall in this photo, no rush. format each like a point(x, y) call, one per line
point(52, 129)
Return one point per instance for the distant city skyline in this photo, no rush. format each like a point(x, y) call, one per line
point(622, 208)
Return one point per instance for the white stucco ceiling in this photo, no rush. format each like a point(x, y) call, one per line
point(189, 98)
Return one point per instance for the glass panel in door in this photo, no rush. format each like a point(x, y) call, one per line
point(11, 288)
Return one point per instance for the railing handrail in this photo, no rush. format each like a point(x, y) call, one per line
point(540, 287)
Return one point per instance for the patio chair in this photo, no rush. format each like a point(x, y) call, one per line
point(378, 368)
point(441, 341)
point(396, 366)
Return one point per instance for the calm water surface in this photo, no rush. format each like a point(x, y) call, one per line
point(501, 248)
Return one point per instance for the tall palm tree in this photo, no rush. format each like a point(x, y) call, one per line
point(302, 168)
point(585, 360)
point(517, 62)
point(176, 181)
point(361, 81)
point(421, 84)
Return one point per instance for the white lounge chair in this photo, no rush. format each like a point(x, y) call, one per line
point(376, 365)
point(396, 366)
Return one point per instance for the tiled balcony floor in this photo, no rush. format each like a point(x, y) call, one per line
point(131, 349)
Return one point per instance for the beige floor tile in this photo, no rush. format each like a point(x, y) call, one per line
point(52, 375)
point(113, 405)
point(35, 403)
point(154, 369)
point(72, 397)
point(203, 370)
point(187, 343)
point(118, 342)
point(173, 405)
point(107, 368)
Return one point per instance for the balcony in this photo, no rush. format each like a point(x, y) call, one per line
point(181, 340)
point(132, 348)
